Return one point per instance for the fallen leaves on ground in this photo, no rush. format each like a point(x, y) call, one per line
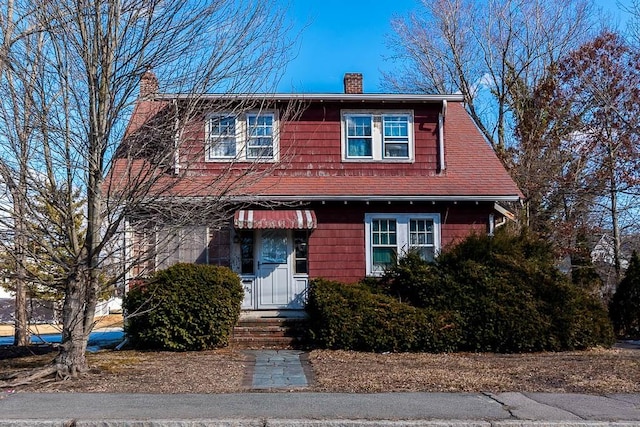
point(224, 371)
point(592, 371)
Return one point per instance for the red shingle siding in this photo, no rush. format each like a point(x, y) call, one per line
point(337, 246)
point(311, 145)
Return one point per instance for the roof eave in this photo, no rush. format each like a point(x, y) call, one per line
point(319, 97)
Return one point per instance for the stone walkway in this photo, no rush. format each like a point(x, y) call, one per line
point(278, 369)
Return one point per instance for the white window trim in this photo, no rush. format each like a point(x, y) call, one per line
point(377, 135)
point(242, 136)
point(209, 136)
point(402, 234)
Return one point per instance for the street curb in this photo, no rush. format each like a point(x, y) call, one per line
point(308, 423)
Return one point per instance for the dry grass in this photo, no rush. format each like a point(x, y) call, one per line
point(223, 371)
point(218, 371)
point(593, 371)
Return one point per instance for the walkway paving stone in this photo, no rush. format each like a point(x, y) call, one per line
point(278, 369)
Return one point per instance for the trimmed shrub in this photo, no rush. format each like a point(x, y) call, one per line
point(625, 305)
point(184, 307)
point(351, 317)
point(508, 292)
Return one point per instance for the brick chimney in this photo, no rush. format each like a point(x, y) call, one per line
point(148, 85)
point(353, 83)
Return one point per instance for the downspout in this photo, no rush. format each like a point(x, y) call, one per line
point(127, 239)
point(176, 140)
point(441, 117)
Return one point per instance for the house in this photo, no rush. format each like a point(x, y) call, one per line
point(338, 188)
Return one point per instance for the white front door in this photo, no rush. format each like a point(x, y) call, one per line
point(274, 278)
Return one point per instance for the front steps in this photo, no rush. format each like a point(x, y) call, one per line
point(269, 330)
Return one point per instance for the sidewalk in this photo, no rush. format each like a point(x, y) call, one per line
point(320, 409)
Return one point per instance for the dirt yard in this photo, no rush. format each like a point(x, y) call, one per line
point(223, 371)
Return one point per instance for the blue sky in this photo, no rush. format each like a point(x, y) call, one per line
point(339, 36)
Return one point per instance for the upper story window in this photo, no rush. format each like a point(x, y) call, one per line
point(359, 136)
point(377, 135)
point(245, 137)
point(222, 137)
point(260, 141)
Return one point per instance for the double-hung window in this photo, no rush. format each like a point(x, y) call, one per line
point(260, 136)
point(384, 243)
point(359, 136)
point(248, 136)
point(395, 136)
point(222, 137)
point(390, 236)
point(377, 135)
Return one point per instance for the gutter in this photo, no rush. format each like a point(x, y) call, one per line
point(355, 198)
point(319, 97)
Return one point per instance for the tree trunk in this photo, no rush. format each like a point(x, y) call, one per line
point(21, 335)
point(72, 358)
point(616, 231)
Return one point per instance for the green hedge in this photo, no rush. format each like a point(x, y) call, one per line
point(625, 304)
point(508, 292)
point(501, 294)
point(185, 307)
point(351, 317)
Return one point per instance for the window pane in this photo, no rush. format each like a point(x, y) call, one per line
point(301, 266)
point(396, 126)
point(383, 258)
point(224, 147)
point(274, 246)
point(396, 150)
point(246, 253)
point(255, 153)
point(426, 253)
point(359, 126)
point(359, 147)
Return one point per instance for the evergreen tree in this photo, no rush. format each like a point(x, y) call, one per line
point(625, 305)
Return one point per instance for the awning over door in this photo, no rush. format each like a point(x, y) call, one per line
point(289, 219)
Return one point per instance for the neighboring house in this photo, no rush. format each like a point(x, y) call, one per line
point(346, 185)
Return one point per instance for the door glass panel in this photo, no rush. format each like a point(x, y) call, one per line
point(274, 246)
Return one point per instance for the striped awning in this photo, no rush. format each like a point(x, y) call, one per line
point(300, 219)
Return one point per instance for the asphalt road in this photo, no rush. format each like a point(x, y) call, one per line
point(319, 409)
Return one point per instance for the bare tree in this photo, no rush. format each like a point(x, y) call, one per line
point(94, 54)
point(600, 87)
point(18, 76)
point(485, 51)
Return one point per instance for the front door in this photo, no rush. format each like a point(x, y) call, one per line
point(274, 281)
